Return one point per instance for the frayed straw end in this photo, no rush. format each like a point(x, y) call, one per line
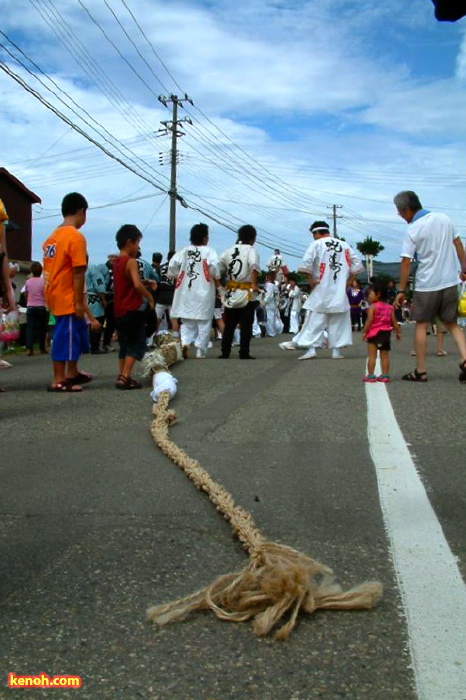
point(360, 597)
point(279, 584)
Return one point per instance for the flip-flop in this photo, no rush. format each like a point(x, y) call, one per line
point(64, 388)
point(80, 378)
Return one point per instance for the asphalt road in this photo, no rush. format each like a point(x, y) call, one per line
point(97, 525)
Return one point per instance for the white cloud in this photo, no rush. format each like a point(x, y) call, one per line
point(461, 60)
point(321, 93)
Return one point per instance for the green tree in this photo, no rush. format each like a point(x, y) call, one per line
point(370, 248)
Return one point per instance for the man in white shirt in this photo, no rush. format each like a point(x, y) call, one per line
point(440, 257)
point(196, 270)
point(329, 264)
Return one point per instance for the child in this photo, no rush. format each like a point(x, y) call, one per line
point(377, 329)
point(37, 314)
point(64, 266)
point(129, 305)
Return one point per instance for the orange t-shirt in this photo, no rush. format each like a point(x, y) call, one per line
point(3, 214)
point(63, 250)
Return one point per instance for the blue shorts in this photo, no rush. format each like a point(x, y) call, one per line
point(70, 338)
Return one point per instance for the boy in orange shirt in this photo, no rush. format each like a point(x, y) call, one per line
point(65, 264)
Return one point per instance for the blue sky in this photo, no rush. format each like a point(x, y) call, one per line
point(297, 106)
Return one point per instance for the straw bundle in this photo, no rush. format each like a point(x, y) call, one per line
point(277, 581)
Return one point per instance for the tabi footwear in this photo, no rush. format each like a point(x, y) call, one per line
point(309, 355)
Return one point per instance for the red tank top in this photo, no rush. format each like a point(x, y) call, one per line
point(127, 298)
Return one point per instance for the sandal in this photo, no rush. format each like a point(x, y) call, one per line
point(65, 387)
point(384, 378)
point(416, 376)
point(127, 383)
point(441, 353)
point(370, 379)
point(80, 378)
point(462, 376)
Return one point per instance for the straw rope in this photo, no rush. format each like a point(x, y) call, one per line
point(278, 580)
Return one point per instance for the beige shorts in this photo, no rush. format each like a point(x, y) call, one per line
point(442, 303)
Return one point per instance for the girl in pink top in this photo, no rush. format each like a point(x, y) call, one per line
point(37, 315)
point(377, 330)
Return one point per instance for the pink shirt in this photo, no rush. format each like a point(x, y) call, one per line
point(382, 320)
point(35, 291)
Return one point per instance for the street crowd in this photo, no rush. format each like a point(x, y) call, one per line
point(74, 306)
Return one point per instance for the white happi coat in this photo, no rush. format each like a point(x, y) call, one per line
point(331, 261)
point(195, 268)
point(237, 264)
point(275, 263)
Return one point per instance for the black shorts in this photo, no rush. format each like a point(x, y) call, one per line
point(132, 335)
point(382, 340)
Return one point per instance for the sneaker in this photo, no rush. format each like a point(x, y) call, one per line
point(200, 354)
point(370, 379)
point(309, 355)
point(287, 345)
point(210, 345)
point(384, 378)
point(337, 354)
point(5, 365)
point(108, 348)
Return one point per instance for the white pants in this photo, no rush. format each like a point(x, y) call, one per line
point(256, 329)
point(273, 323)
point(338, 327)
point(294, 321)
point(193, 331)
point(160, 312)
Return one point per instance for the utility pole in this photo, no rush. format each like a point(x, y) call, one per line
point(175, 133)
point(334, 207)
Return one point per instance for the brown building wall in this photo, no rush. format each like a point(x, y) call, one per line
point(18, 202)
point(19, 211)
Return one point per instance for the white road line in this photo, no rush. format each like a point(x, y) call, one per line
point(432, 590)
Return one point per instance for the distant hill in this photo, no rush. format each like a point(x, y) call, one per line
point(389, 269)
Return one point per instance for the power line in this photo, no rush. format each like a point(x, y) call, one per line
point(65, 119)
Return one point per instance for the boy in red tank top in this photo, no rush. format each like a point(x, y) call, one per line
point(131, 300)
